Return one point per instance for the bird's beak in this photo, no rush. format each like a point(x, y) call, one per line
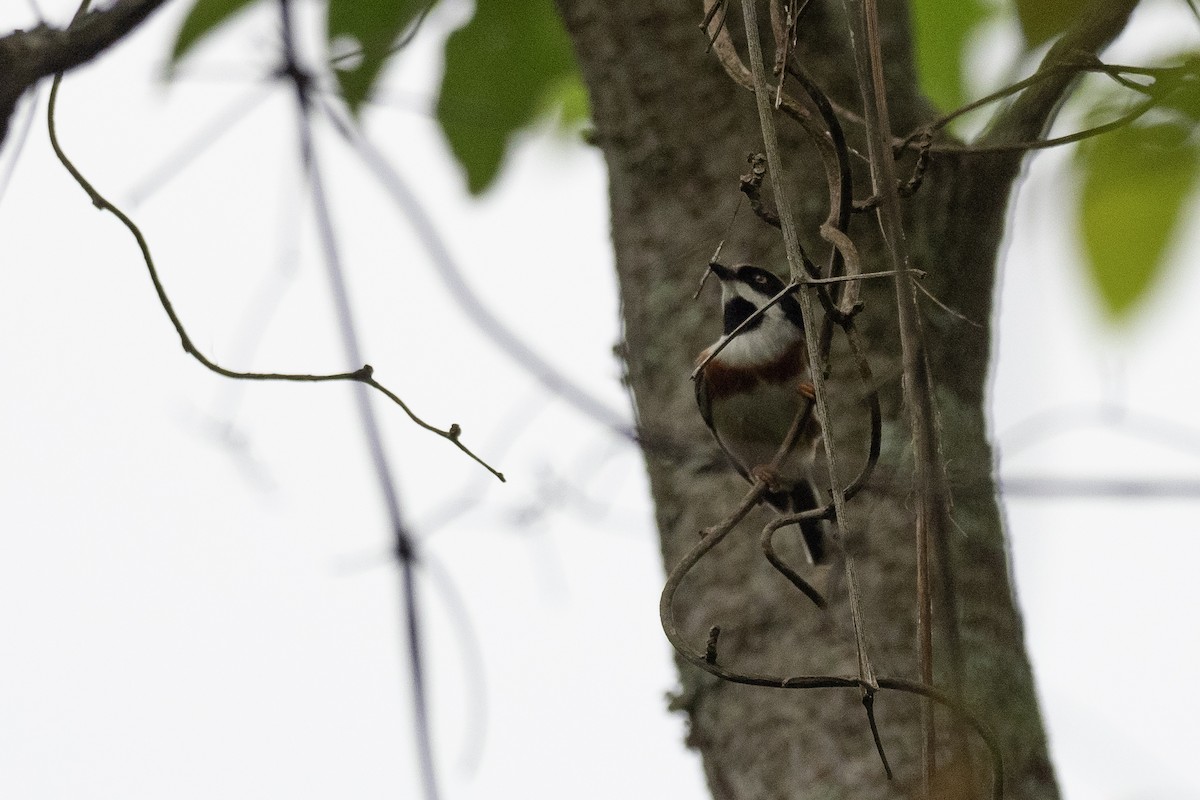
point(723, 273)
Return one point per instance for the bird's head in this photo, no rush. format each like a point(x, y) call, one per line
point(744, 290)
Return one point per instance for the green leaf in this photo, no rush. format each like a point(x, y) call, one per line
point(204, 17)
point(371, 27)
point(568, 98)
point(1042, 20)
point(1136, 180)
point(509, 65)
point(942, 31)
point(1181, 92)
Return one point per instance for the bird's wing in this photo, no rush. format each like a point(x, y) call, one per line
point(779, 500)
point(705, 404)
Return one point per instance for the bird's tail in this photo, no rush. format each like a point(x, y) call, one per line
point(804, 498)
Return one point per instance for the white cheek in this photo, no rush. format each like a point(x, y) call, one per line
point(732, 290)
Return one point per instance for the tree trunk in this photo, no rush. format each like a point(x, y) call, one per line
point(675, 131)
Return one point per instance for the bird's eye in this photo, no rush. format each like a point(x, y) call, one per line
point(760, 279)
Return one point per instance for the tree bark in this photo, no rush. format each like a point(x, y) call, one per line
point(675, 131)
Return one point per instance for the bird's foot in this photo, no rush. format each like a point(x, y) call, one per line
point(806, 390)
point(770, 477)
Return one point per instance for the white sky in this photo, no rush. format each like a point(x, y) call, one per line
point(194, 590)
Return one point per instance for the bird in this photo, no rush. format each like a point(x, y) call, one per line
point(750, 392)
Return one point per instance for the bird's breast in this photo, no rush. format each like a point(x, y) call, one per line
point(753, 425)
point(728, 375)
point(752, 410)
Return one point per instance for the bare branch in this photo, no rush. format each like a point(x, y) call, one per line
point(28, 56)
point(1056, 487)
point(364, 374)
point(918, 387)
point(792, 247)
point(473, 306)
point(708, 659)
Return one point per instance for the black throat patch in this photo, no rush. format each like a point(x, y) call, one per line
point(737, 311)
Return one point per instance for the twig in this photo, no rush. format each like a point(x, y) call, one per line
point(843, 254)
point(1115, 417)
point(1087, 62)
point(743, 325)
point(719, 5)
point(709, 659)
point(799, 423)
point(831, 145)
point(1029, 116)
point(452, 275)
point(364, 374)
point(255, 318)
point(196, 144)
point(767, 538)
point(1043, 144)
point(862, 276)
point(868, 701)
point(785, 26)
point(843, 257)
point(925, 143)
point(1070, 68)
point(728, 56)
point(751, 186)
point(792, 248)
point(401, 43)
point(956, 314)
point(14, 156)
point(867, 377)
point(766, 541)
point(918, 388)
point(716, 256)
point(790, 288)
point(405, 546)
point(474, 662)
point(710, 649)
point(841, 188)
point(1037, 487)
point(986, 100)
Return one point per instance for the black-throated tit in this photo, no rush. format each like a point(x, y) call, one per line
point(750, 393)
